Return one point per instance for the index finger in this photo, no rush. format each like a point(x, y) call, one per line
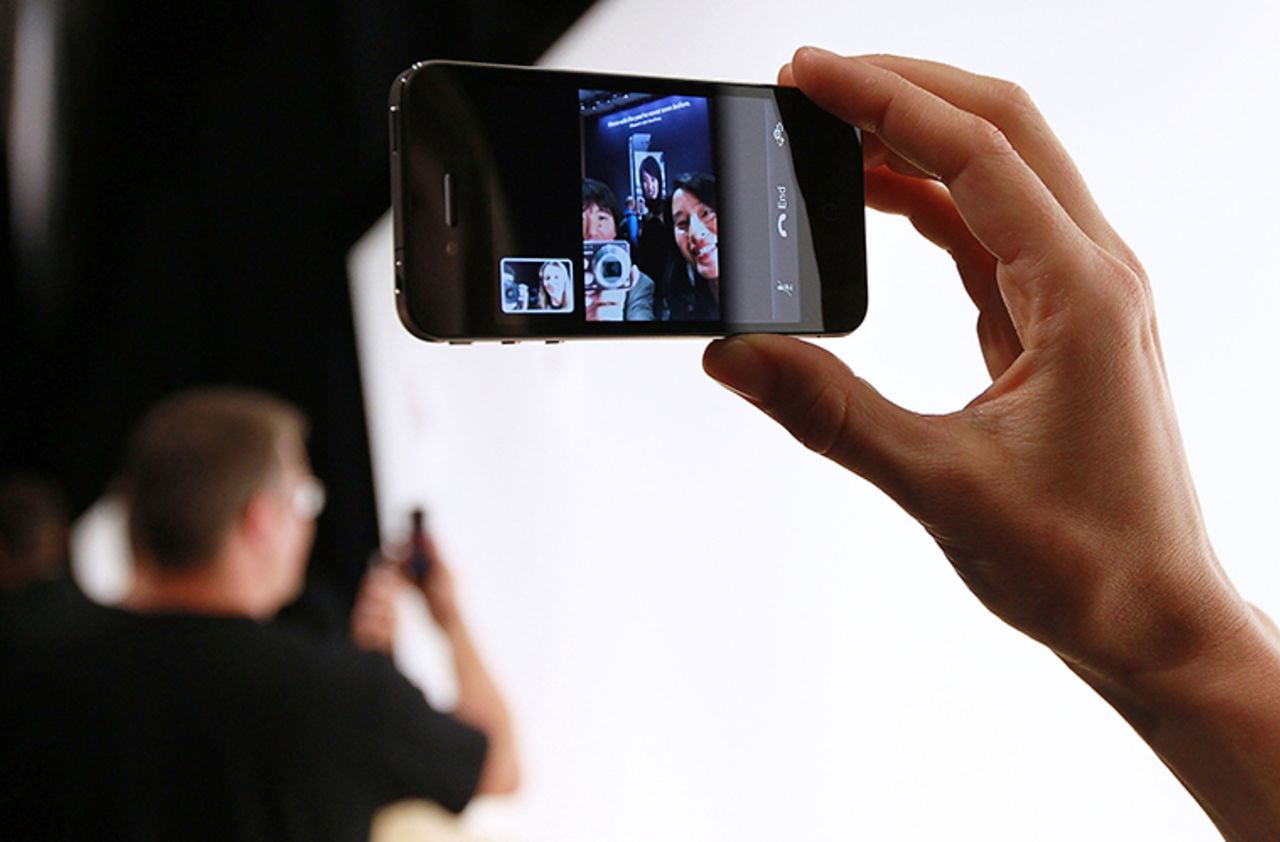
point(1004, 203)
point(1009, 108)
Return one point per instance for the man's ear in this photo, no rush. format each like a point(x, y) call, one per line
point(257, 520)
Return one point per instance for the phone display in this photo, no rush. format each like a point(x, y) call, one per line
point(534, 204)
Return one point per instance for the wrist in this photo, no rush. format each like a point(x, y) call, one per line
point(1223, 663)
point(448, 619)
point(1212, 721)
point(1162, 612)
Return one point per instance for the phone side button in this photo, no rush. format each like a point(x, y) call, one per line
point(459, 341)
point(450, 210)
point(554, 341)
point(509, 341)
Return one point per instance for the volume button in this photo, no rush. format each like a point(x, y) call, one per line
point(393, 128)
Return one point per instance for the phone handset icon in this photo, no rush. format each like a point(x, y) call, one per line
point(782, 232)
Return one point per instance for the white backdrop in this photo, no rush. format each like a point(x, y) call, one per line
point(708, 633)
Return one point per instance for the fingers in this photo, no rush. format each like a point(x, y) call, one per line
point(1005, 205)
point(829, 410)
point(373, 620)
point(930, 210)
point(1009, 108)
point(876, 154)
point(928, 206)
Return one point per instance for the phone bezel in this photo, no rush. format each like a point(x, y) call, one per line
point(426, 311)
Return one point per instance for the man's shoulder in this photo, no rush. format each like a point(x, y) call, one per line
point(198, 649)
point(42, 606)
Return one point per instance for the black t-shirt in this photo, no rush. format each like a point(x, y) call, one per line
point(163, 727)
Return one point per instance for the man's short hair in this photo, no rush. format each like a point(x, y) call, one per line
point(602, 196)
point(194, 463)
point(33, 530)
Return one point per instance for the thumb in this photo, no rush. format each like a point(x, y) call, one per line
point(829, 410)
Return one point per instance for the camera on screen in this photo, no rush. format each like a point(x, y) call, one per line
point(608, 265)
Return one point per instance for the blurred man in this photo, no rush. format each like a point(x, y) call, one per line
point(189, 717)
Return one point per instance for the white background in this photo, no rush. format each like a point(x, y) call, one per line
point(708, 633)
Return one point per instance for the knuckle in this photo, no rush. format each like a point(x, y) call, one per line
point(1014, 103)
point(823, 426)
point(1131, 290)
point(989, 140)
point(1121, 304)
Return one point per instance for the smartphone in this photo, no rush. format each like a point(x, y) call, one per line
point(417, 562)
point(534, 204)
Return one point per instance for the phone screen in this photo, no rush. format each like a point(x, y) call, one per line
point(547, 204)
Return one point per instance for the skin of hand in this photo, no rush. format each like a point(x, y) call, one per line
point(1061, 495)
point(480, 702)
point(373, 619)
point(594, 302)
point(438, 588)
point(591, 302)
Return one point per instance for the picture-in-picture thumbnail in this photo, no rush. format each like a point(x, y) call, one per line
point(537, 285)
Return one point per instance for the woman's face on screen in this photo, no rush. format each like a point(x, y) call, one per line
point(649, 186)
point(694, 223)
point(555, 282)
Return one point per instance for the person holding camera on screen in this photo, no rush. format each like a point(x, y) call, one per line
point(601, 216)
point(1061, 495)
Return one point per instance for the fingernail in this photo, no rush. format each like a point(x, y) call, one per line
point(817, 51)
point(739, 367)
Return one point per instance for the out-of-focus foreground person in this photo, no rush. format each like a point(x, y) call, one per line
point(186, 714)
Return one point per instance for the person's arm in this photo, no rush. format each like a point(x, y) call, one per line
point(480, 703)
point(639, 302)
point(1061, 495)
point(373, 617)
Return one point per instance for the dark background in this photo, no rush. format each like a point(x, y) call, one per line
point(684, 138)
point(214, 164)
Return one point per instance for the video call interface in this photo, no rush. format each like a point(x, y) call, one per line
point(654, 218)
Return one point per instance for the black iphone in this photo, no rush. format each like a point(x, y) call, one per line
point(535, 204)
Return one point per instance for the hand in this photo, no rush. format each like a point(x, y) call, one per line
point(591, 301)
point(1061, 494)
point(438, 589)
point(373, 620)
point(603, 305)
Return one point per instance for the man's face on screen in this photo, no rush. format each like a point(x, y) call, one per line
point(598, 224)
